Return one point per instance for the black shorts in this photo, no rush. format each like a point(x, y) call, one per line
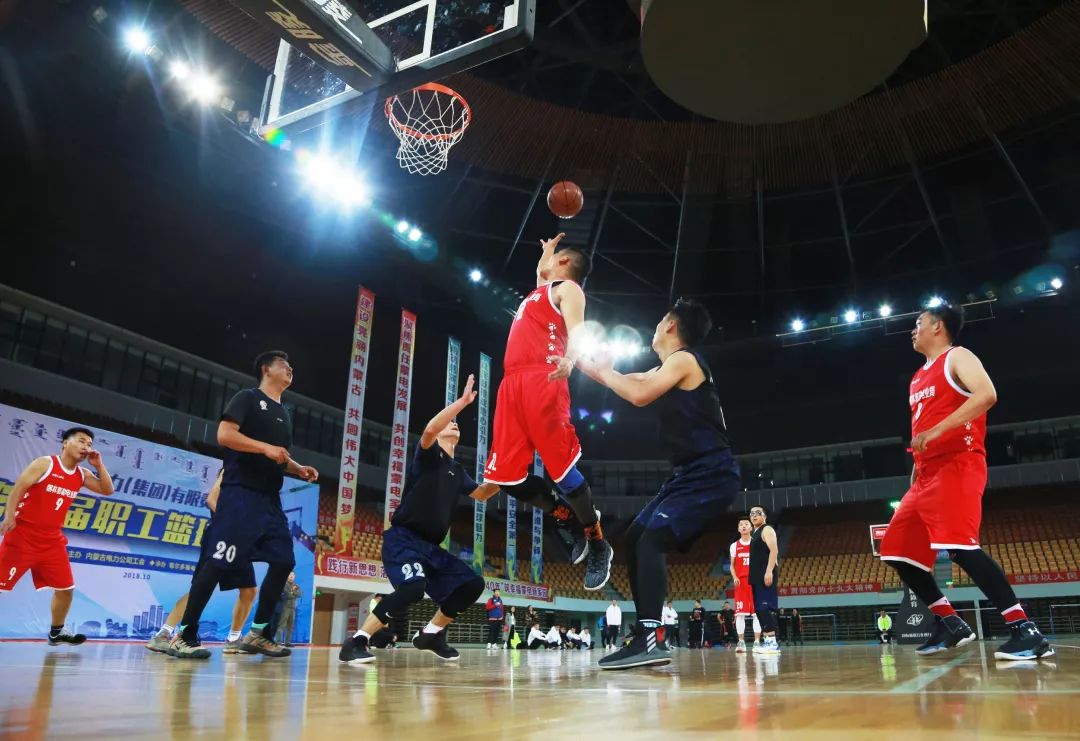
point(765, 598)
point(240, 577)
point(695, 497)
point(407, 557)
point(248, 526)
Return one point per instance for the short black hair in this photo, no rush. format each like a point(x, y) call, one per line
point(73, 431)
point(952, 317)
point(580, 262)
point(758, 506)
point(266, 358)
point(692, 321)
point(745, 517)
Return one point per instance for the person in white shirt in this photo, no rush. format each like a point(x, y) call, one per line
point(537, 638)
point(574, 638)
point(670, 619)
point(613, 616)
point(553, 638)
point(586, 639)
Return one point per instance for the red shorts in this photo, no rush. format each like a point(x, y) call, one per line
point(942, 511)
point(531, 414)
point(43, 554)
point(744, 599)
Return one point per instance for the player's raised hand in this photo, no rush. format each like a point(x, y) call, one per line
point(551, 244)
point(94, 458)
point(468, 395)
point(564, 369)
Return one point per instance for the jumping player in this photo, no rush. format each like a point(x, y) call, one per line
point(703, 483)
point(34, 517)
point(249, 525)
point(949, 397)
point(242, 579)
point(412, 557)
point(532, 408)
point(740, 578)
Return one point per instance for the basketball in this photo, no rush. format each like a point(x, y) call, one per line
point(565, 199)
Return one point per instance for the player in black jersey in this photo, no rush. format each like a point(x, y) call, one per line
point(705, 479)
point(414, 561)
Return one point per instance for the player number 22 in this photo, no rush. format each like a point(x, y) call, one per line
point(412, 570)
point(223, 551)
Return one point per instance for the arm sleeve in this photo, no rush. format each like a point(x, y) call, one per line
point(731, 551)
point(468, 485)
point(238, 407)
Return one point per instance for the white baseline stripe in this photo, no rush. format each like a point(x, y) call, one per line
point(921, 682)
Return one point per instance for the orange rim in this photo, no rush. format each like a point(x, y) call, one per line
point(409, 131)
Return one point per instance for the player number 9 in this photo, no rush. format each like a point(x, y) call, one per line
point(59, 503)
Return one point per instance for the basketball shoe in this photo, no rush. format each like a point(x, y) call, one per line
point(160, 642)
point(232, 647)
point(436, 644)
point(256, 643)
point(740, 647)
point(55, 639)
point(949, 632)
point(354, 651)
point(767, 647)
point(581, 547)
point(1025, 644)
point(645, 648)
point(598, 564)
point(181, 649)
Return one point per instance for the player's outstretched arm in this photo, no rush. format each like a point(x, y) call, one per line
point(642, 389)
point(30, 476)
point(102, 483)
point(547, 247)
point(969, 372)
point(439, 422)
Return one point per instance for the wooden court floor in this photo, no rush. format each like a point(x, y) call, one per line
point(108, 690)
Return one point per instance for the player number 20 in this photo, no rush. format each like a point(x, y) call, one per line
point(414, 569)
point(228, 552)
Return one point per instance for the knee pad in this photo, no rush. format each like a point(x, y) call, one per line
point(462, 597)
point(533, 491)
point(570, 481)
point(394, 605)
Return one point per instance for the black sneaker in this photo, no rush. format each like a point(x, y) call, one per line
point(949, 632)
point(1025, 644)
point(65, 637)
point(354, 651)
point(644, 648)
point(581, 547)
point(598, 564)
point(436, 643)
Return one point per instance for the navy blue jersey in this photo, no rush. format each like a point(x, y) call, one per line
point(434, 484)
point(692, 422)
point(263, 419)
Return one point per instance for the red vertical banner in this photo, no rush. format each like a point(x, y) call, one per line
point(354, 415)
point(399, 432)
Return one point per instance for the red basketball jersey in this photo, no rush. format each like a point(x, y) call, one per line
point(740, 559)
point(935, 394)
point(537, 332)
point(46, 502)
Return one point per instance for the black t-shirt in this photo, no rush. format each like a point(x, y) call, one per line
point(263, 419)
point(431, 493)
point(697, 615)
point(759, 559)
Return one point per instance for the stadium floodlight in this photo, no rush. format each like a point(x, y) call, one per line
point(934, 302)
point(203, 88)
point(179, 70)
point(475, 275)
point(798, 325)
point(1056, 283)
point(884, 311)
point(851, 316)
point(402, 227)
point(136, 40)
point(415, 234)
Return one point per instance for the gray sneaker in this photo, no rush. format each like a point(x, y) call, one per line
point(181, 649)
point(232, 647)
point(159, 643)
point(257, 643)
point(598, 564)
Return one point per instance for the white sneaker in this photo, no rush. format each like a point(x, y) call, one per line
point(769, 646)
point(740, 647)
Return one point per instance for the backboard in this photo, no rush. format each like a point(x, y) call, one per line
point(339, 54)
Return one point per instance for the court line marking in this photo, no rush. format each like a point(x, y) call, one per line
point(566, 685)
point(924, 680)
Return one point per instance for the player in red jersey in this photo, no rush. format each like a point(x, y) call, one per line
point(33, 540)
point(740, 577)
point(949, 398)
point(532, 407)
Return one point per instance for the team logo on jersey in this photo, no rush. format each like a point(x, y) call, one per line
point(915, 620)
point(262, 405)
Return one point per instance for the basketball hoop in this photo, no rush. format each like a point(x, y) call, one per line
point(428, 121)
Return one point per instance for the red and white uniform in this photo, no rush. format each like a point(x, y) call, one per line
point(37, 543)
point(943, 509)
point(740, 564)
point(531, 412)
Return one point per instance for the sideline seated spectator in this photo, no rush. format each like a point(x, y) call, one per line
point(586, 639)
point(537, 638)
point(884, 627)
point(554, 640)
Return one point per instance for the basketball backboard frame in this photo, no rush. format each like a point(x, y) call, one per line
point(426, 57)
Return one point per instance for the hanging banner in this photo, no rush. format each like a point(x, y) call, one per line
point(480, 508)
point(537, 562)
point(354, 418)
point(453, 367)
point(511, 538)
point(399, 433)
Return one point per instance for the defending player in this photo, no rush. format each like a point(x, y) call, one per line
point(33, 540)
point(412, 557)
point(740, 578)
point(949, 397)
point(703, 483)
point(532, 408)
point(242, 579)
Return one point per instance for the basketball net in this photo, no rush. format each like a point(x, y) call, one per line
point(428, 121)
